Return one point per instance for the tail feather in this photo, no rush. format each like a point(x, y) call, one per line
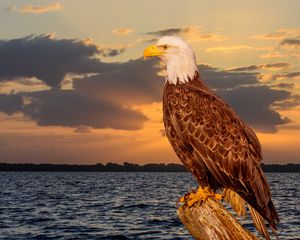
point(274, 232)
point(274, 214)
point(239, 206)
point(260, 199)
point(259, 223)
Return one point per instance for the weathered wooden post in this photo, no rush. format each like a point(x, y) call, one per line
point(211, 221)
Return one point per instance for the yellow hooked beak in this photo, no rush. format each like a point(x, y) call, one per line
point(152, 51)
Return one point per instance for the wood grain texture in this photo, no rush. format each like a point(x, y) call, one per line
point(211, 220)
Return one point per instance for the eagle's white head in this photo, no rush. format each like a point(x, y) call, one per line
point(178, 56)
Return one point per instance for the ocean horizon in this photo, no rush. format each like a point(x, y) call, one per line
point(126, 167)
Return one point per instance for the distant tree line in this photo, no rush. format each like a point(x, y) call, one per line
point(125, 167)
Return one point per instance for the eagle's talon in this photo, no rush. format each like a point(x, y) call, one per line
point(218, 196)
point(199, 196)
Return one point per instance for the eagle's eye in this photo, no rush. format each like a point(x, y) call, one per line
point(165, 47)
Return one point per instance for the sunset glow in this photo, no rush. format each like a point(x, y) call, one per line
point(74, 87)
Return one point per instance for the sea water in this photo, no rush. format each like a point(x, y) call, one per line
point(98, 205)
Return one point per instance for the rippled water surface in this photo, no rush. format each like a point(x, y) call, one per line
point(115, 205)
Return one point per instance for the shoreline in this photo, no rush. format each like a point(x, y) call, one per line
point(125, 167)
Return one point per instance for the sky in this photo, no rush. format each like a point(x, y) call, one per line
point(74, 87)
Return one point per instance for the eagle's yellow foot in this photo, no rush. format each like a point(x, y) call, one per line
point(200, 196)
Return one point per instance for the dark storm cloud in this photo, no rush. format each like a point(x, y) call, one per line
point(135, 82)
point(270, 66)
point(11, 103)
point(253, 104)
point(49, 59)
point(220, 79)
point(291, 102)
point(291, 42)
point(132, 82)
point(99, 101)
point(72, 109)
point(69, 108)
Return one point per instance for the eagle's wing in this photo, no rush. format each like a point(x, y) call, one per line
point(228, 147)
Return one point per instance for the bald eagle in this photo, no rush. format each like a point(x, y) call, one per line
point(209, 138)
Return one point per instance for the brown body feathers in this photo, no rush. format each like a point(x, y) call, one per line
point(215, 145)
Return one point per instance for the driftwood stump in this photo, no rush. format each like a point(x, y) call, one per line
point(211, 220)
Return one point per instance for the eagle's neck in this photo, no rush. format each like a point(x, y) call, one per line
point(181, 68)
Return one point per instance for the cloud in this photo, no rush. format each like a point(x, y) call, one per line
point(228, 49)
point(38, 9)
point(148, 39)
point(136, 83)
point(284, 85)
point(253, 101)
point(168, 31)
point(82, 129)
point(11, 8)
point(287, 39)
point(269, 66)
point(290, 75)
point(108, 50)
point(22, 84)
point(280, 76)
point(10, 103)
point(132, 82)
point(279, 34)
point(291, 43)
point(192, 33)
point(112, 50)
point(223, 79)
point(104, 94)
point(296, 55)
point(277, 66)
point(254, 104)
point(269, 36)
point(288, 104)
point(291, 127)
point(69, 108)
point(273, 55)
point(50, 59)
point(122, 31)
